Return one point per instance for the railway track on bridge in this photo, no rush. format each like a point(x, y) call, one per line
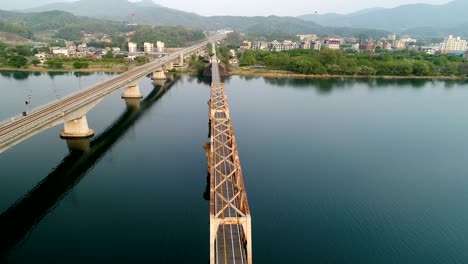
point(12, 131)
point(230, 221)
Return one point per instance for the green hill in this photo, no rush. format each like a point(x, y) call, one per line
point(431, 20)
point(16, 29)
point(149, 13)
point(67, 26)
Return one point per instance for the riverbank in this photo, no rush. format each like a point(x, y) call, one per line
point(288, 74)
point(114, 69)
point(232, 72)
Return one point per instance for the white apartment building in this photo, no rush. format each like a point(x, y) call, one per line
point(58, 51)
point(289, 45)
point(308, 37)
point(316, 45)
point(160, 46)
point(132, 47)
point(333, 44)
point(285, 45)
point(392, 37)
point(408, 40)
point(276, 46)
point(451, 44)
point(148, 47)
point(260, 45)
point(82, 47)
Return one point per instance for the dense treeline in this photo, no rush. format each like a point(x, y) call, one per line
point(22, 56)
point(15, 29)
point(399, 63)
point(71, 28)
point(172, 36)
point(74, 32)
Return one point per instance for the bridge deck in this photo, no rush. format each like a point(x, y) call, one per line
point(18, 129)
point(228, 188)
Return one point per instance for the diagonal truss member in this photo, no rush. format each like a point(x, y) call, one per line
point(229, 207)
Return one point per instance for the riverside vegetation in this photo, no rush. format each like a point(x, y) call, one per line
point(21, 57)
point(351, 63)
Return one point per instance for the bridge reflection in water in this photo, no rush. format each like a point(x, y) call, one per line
point(18, 220)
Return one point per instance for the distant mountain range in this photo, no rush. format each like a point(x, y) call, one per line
point(420, 20)
point(147, 12)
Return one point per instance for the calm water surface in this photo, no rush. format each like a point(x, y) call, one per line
point(337, 171)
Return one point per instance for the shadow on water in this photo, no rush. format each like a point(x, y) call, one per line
point(18, 75)
point(79, 74)
point(328, 85)
point(201, 79)
point(22, 75)
point(18, 220)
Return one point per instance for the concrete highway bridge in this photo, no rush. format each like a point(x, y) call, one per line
point(71, 110)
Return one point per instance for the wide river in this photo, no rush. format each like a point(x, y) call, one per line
point(337, 171)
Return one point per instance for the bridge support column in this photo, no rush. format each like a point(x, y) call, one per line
point(170, 66)
point(133, 103)
point(159, 75)
point(170, 76)
point(79, 144)
point(77, 128)
point(181, 60)
point(132, 92)
point(159, 83)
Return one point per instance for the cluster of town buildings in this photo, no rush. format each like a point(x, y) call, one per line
point(85, 51)
point(147, 47)
point(449, 45)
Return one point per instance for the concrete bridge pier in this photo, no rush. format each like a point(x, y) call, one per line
point(132, 91)
point(159, 74)
point(181, 60)
point(170, 66)
point(79, 144)
point(170, 76)
point(133, 103)
point(77, 128)
point(159, 83)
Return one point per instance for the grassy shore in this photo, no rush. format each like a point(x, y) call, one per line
point(116, 68)
point(287, 74)
point(247, 72)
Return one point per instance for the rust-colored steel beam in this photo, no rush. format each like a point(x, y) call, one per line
point(230, 220)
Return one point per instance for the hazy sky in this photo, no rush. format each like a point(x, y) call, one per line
point(282, 7)
point(254, 7)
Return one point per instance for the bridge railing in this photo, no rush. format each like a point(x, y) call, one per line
point(131, 76)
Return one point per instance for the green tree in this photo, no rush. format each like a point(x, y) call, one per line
point(247, 61)
point(423, 68)
point(140, 60)
point(35, 62)
point(17, 61)
point(54, 64)
point(24, 51)
point(2, 46)
point(328, 56)
point(80, 64)
point(365, 70)
point(233, 39)
point(109, 55)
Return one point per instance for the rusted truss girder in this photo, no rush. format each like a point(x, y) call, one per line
point(228, 198)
